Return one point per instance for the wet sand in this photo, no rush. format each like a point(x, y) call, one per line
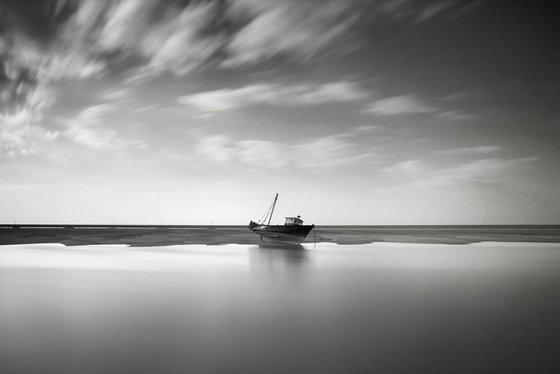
point(318, 308)
point(141, 236)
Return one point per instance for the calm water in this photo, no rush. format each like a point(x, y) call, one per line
point(385, 308)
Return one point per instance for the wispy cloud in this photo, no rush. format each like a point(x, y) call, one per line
point(21, 136)
point(86, 129)
point(470, 150)
point(483, 171)
point(417, 11)
point(22, 132)
point(114, 94)
point(404, 104)
point(275, 94)
point(306, 29)
point(218, 148)
point(419, 174)
point(314, 28)
point(330, 152)
point(407, 167)
point(321, 154)
point(262, 153)
point(139, 33)
point(455, 115)
point(432, 10)
point(410, 104)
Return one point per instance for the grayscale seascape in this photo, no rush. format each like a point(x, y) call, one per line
point(279, 187)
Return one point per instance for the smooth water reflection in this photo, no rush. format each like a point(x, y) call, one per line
point(386, 308)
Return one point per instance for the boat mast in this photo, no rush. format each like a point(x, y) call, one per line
point(272, 212)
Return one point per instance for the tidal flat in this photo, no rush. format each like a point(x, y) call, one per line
point(487, 307)
point(160, 235)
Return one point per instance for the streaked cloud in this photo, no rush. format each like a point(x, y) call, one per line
point(306, 29)
point(409, 104)
point(20, 134)
point(275, 94)
point(22, 131)
point(86, 129)
point(432, 10)
point(218, 148)
point(404, 104)
point(420, 174)
point(483, 171)
point(416, 11)
point(314, 28)
point(330, 152)
point(321, 154)
point(114, 93)
point(139, 33)
point(470, 150)
point(455, 115)
point(407, 167)
point(262, 153)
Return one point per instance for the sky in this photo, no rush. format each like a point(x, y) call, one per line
point(355, 112)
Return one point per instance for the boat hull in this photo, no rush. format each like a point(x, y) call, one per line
point(285, 234)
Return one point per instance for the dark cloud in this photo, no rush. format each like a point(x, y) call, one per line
point(38, 21)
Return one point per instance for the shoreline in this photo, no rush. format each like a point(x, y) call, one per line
point(142, 236)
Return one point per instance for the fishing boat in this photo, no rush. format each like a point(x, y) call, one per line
point(292, 231)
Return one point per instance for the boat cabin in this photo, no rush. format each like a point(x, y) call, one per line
point(293, 221)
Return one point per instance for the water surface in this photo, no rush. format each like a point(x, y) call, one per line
point(382, 307)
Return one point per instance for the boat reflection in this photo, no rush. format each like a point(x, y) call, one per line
point(279, 257)
point(283, 246)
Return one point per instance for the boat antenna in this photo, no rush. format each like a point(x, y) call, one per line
point(272, 211)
